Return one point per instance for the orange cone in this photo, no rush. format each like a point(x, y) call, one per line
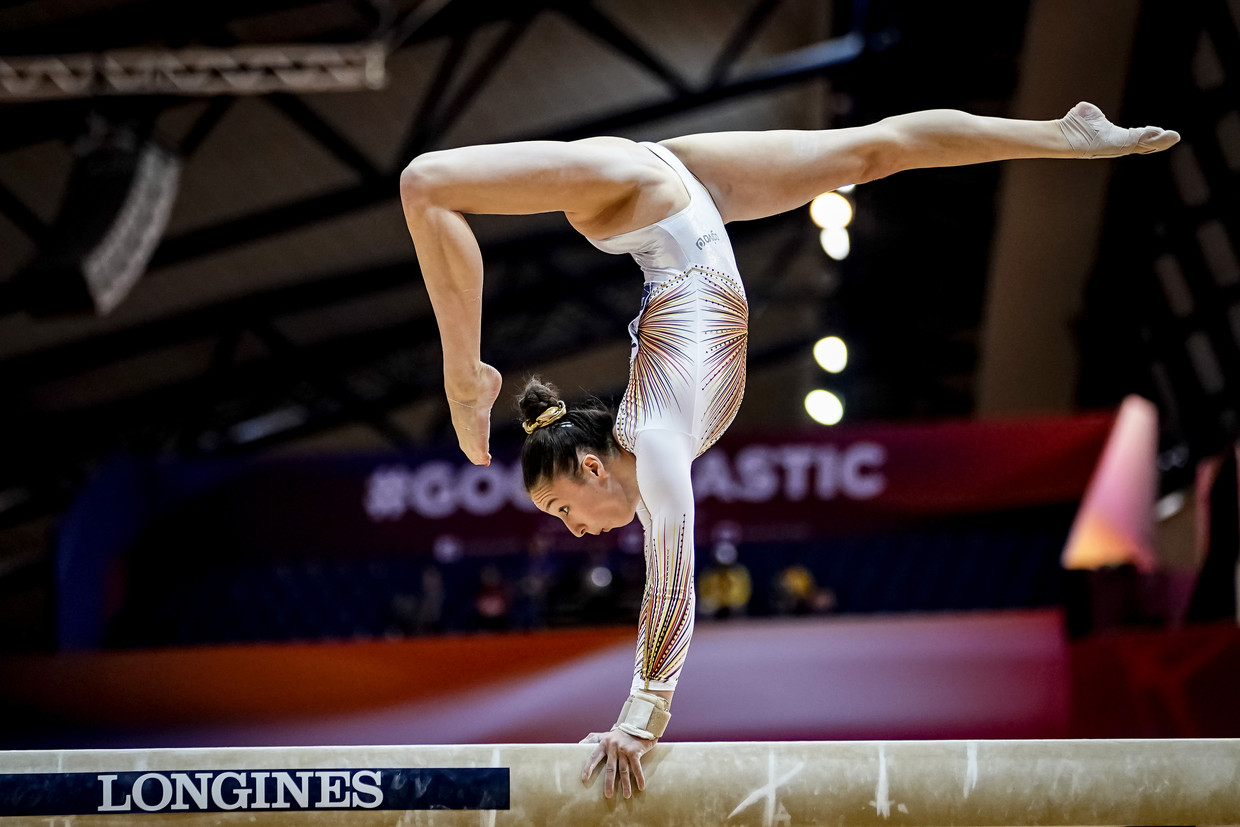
point(1115, 524)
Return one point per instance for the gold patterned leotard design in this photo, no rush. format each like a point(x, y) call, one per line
point(686, 380)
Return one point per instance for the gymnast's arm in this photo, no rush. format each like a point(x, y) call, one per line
point(664, 459)
point(665, 626)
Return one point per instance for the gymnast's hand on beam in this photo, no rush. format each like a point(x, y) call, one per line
point(623, 754)
point(470, 397)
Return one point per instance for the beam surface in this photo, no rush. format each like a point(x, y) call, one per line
point(842, 783)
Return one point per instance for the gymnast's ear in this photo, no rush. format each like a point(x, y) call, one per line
point(592, 466)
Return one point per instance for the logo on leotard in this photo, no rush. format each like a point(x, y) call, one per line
point(710, 237)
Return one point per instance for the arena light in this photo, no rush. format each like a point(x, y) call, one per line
point(835, 242)
point(600, 577)
point(831, 354)
point(831, 211)
point(824, 407)
point(117, 204)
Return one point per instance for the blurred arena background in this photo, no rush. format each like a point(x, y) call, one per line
point(231, 508)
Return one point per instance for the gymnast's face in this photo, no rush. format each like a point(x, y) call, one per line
point(593, 503)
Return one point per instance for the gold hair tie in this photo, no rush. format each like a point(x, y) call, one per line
point(546, 417)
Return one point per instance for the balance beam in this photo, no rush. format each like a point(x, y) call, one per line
point(942, 783)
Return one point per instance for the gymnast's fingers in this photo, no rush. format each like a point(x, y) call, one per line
point(596, 755)
point(626, 780)
point(609, 775)
point(638, 774)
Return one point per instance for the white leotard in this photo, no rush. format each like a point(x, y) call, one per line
point(686, 379)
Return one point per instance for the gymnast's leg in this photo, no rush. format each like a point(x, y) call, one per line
point(605, 186)
point(756, 174)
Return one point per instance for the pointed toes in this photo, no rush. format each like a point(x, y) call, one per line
point(1154, 139)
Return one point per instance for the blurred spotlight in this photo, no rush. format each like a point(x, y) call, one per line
point(835, 242)
point(831, 354)
point(447, 549)
point(1170, 505)
point(847, 188)
point(831, 211)
point(600, 577)
point(824, 407)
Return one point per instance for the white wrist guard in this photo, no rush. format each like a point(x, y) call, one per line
point(644, 715)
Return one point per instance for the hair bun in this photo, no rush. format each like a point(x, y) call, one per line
point(536, 398)
point(556, 435)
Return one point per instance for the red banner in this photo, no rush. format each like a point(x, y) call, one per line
point(803, 485)
point(850, 479)
point(768, 487)
point(762, 487)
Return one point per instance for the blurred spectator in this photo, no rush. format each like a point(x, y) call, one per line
point(404, 612)
point(1218, 497)
point(534, 587)
point(565, 598)
point(429, 616)
point(629, 566)
point(724, 587)
point(492, 602)
point(795, 592)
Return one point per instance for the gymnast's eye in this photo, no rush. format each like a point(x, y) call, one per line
point(563, 509)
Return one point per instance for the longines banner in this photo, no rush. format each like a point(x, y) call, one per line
point(767, 487)
point(217, 791)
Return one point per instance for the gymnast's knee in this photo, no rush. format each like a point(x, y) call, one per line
point(880, 154)
point(424, 180)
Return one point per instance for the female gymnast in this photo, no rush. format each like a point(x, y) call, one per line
point(666, 204)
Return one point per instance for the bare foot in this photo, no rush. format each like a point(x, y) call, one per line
point(470, 406)
point(1093, 136)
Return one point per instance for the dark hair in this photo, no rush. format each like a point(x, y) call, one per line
point(552, 450)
